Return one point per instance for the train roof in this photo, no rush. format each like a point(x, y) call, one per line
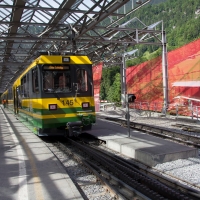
point(56, 59)
point(63, 59)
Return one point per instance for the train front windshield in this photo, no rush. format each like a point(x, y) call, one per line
point(56, 79)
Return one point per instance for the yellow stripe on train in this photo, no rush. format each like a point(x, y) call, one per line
point(58, 59)
point(61, 103)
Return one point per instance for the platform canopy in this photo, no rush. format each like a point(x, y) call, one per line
point(97, 28)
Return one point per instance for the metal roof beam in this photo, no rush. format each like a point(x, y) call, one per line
point(57, 9)
point(101, 17)
point(14, 63)
point(73, 26)
point(34, 24)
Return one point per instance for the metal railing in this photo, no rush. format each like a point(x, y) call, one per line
point(154, 109)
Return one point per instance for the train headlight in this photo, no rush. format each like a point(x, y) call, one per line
point(52, 106)
point(66, 59)
point(85, 105)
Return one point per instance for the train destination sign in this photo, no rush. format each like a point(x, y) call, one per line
point(56, 67)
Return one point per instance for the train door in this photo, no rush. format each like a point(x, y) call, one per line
point(34, 102)
point(16, 99)
point(27, 90)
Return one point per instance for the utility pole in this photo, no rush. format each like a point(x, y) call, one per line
point(164, 71)
point(123, 81)
point(123, 76)
point(125, 98)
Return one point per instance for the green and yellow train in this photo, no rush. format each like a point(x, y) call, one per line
point(55, 94)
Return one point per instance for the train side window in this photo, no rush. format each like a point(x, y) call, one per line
point(35, 81)
point(82, 79)
point(27, 85)
point(24, 86)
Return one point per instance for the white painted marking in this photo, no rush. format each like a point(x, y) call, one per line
point(23, 190)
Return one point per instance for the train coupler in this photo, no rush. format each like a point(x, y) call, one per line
point(74, 128)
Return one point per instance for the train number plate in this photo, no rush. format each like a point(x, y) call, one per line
point(67, 102)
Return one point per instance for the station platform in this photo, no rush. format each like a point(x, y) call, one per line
point(145, 148)
point(28, 169)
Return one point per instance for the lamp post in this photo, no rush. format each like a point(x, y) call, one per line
point(123, 81)
point(124, 97)
point(123, 76)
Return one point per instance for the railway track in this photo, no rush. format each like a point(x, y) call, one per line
point(90, 184)
point(175, 135)
point(121, 178)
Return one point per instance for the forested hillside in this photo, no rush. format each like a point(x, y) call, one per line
point(181, 20)
point(182, 25)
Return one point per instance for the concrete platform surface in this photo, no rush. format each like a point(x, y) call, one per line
point(28, 169)
point(145, 148)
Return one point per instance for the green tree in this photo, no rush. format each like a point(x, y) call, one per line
point(114, 93)
point(108, 77)
point(181, 21)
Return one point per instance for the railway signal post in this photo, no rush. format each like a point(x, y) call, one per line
point(130, 99)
